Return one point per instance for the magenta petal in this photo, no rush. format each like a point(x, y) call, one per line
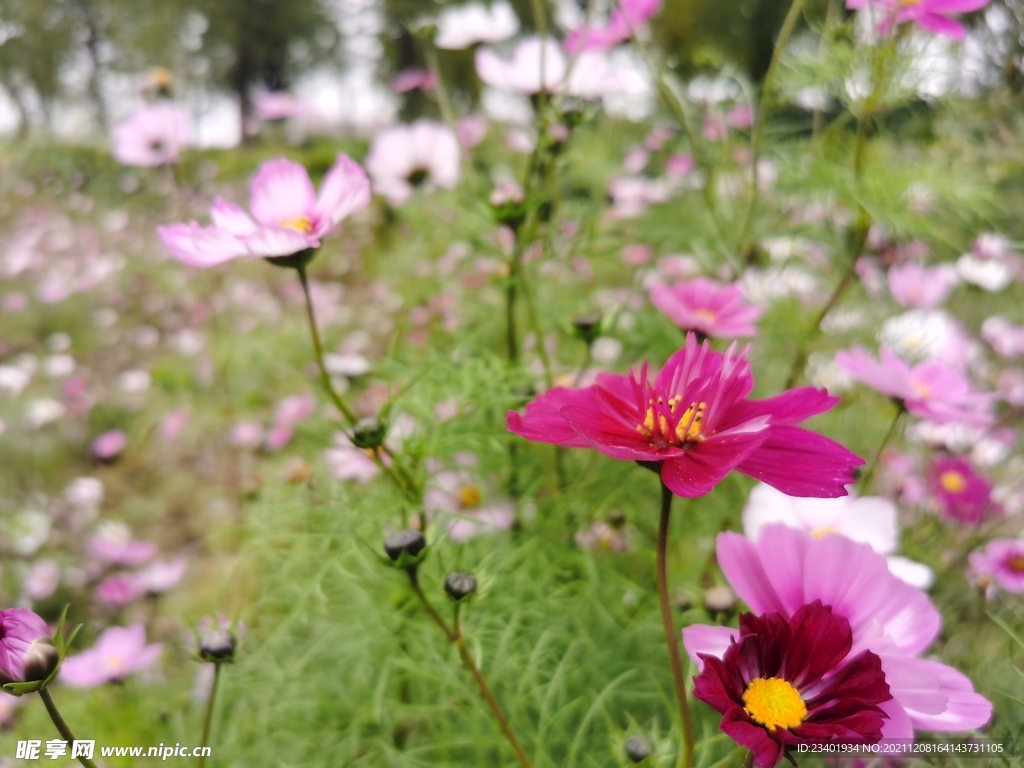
point(344, 190)
point(201, 246)
point(956, 6)
point(941, 25)
point(898, 726)
point(788, 409)
point(543, 422)
point(281, 192)
point(277, 241)
point(742, 567)
point(782, 552)
point(964, 710)
point(708, 640)
point(802, 463)
point(609, 435)
point(700, 469)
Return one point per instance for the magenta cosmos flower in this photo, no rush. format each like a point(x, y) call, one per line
point(931, 390)
point(963, 494)
point(704, 306)
point(788, 681)
point(118, 652)
point(1002, 561)
point(786, 570)
point(629, 15)
point(155, 135)
point(695, 424)
point(933, 15)
point(26, 654)
point(287, 215)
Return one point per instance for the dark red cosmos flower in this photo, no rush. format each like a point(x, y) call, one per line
point(695, 424)
point(787, 682)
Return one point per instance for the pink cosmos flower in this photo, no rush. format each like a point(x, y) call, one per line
point(280, 105)
point(871, 520)
point(411, 79)
point(471, 131)
point(108, 445)
point(155, 135)
point(704, 306)
point(347, 462)
point(522, 72)
point(629, 14)
point(462, 26)
point(113, 544)
point(1001, 562)
point(680, 164)
point(172, 424)
point(117, 590)
point(42, 580)
point(1005, 338)
point(23, 635)
point(454, 492)
point(963, 494)
point(118, 652)
point(161, 576)
point(695, 423)
point(913, 285)
point(932, 15)
point(931, 390)
point(403, 157)
point(287, 215)
point(786, 570)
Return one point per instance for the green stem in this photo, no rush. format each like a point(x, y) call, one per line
point(788, 25)
point(62, 727)
point(443, 101)
point(318, 350)
point(208, 717)
point(870, 474)
point(671, 637)
point(455, 636)
point(511, 337)
point(748, 761)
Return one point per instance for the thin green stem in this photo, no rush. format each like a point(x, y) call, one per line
point(318, 350)
point(870, 474)
point(671, 637)
point(62, 727)
point(455, 636)
point(208, 717)
point(788, 25)
point(440, 89)
point(748, 761)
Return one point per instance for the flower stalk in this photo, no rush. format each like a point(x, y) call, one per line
point(208, 717)
point(62, 727)
point(870, 474)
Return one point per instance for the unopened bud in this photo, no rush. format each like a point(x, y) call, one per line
point(409, 542)
point(638, 748)
point(217, 645)
point(719, 600)
point(369, 433)
point(588, 327)
point(459, 585)
point(40, 658)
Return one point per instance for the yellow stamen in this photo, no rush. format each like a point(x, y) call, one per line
point(1015, 563)
point(706, 315)
point(921, 390)
point(774, 703)
point(301, 224)
point(469, 496)
point(825, 530)
point(952, 481)
point(688, 429)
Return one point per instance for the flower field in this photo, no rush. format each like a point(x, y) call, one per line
point(589, 410)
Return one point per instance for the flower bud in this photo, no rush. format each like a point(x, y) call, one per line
point(217, 645)
point(459, 585)
point(369, 433)
point(408, 542)
point(587, 327)
point(40, 659)
point(638, 748)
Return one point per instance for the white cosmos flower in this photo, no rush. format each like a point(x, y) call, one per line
point(460, 26)
point(990, 274)
point(404, 156)
point(870, 520)
point(920, 334)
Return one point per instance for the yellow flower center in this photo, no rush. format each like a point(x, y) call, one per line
point(774, 703)
point(116, 664)
point(1015, 563)
point(706, 315)
point(825, 530)
point(952, 482)
point(469, 496)
point(301, 224)
point(922, 390)
point(911, 3)
point(688, 429)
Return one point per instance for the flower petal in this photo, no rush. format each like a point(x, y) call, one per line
point(707, 640)
point(278, 241)
point(700, 469)
point(802, 463)
point(344, 190)
point(201, 246)
point(281, 192)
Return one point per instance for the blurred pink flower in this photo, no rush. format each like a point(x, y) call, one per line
point(42, 580)
point(522, 72)
point(118, 652)
point(117, 590)
point(113, 543)
point(1002, 562)
point(346, 462)
point(155, 135)
point(680, 164)
point(295, 408)
point(160, 576)
point(932, 15)
point(278, 436)
point(931, 390)
point(963, 494)
point(413, 78)
point(280, 105)
point(461, 26)
point(404, 157)
point(470, 131)
point(741, 116)
point(628, 17)
point(172, 424)
point(787, 569)
point(1003, 337)
point(246, 434)
point(637, 255)
point(108, 445)
point(287, 215)
point(706, 307)
point(913, 285)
